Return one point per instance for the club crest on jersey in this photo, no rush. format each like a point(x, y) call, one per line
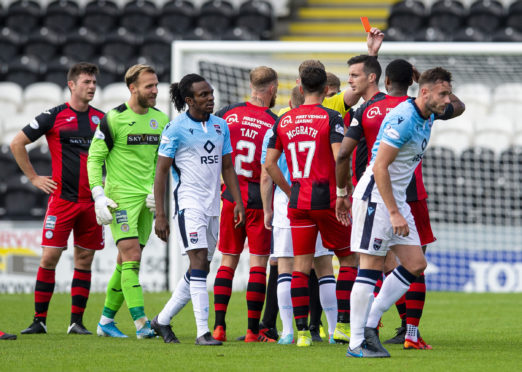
point(217, 127)
point(377, 244)
point(49, 234)
point(231, 119)
point(339, 128)
point(193, 237)
point(153, 124)
point(125, 228)
point(287, 120)
point(373, 112)
point(50, 222)
point(34, 124)
point(95, 119)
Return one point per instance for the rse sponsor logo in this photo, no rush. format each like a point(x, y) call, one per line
point(232, 119)
point(211, 159)
point(373, 112)
point(143, 139)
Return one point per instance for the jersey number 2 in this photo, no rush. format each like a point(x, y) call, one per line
point(247, 159)
point(302, 146)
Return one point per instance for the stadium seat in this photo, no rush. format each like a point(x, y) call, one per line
point(15, 123)
point(256, 16)
point(157, 45)
point(507, 99)
point(7, 164)
point(101, 16)
point(507, 34)
point(139, 16)
point(514, 15)
point(23, 16)
point(62, 15)
point(470, 34)
point(10, 44)
point(43, 43)
point(120, 45)
point(479, 170)
point(239, 34)
point(199, 33)
point(21, 199)
point(114, 95)
point(408, 15)
point(160, 66)
point(41, 96)
point(439, 168)
point(25, 70)
point(430, 34)
point(10, 98)
point(41, 160)
point(57, 70)
point(216, 16)
point(81, 44)
point(396, 34)
point(486, 15)
point(447, 15)
point(110, 70)
point(178, 16)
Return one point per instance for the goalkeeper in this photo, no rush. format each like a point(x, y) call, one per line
point(127, 141)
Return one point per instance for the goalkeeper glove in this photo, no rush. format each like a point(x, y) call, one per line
point(102, 205)
point(150, 203)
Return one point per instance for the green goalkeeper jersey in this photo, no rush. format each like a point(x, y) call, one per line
point(127, 143)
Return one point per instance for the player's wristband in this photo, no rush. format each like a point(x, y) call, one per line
point(341, 192)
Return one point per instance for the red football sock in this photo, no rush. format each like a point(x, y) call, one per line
point(255, 296)
point(222, 293)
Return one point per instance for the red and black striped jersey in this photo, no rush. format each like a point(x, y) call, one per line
point(69, 134)
point(306, 134)
point(248, 124)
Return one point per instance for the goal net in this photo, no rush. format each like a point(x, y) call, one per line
point(472, 169)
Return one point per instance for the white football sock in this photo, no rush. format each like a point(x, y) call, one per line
point(200, 302)
point(284, 301)
point(328, 301)
point(180, 297)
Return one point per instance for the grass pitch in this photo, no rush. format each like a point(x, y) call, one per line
point(468, 332)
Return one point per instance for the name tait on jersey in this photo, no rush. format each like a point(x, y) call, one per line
point(250, 133)
point(302, 130)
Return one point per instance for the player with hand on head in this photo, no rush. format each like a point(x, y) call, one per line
point(196, 144)
point(69, 129)
point(310, 136)
point(247, 123)
point(126, 142)
point(382, 218)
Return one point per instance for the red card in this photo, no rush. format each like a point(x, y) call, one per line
point(366, 24)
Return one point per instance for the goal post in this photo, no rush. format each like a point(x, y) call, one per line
point(472, 169)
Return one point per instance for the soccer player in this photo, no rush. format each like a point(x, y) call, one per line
point(276, 220)
point(126, 142)
point(310, 135)
point(69, 129)
point(362, 134)
point(196, 144)
point(382, 219)
point(333, 84)
point(247, 123)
